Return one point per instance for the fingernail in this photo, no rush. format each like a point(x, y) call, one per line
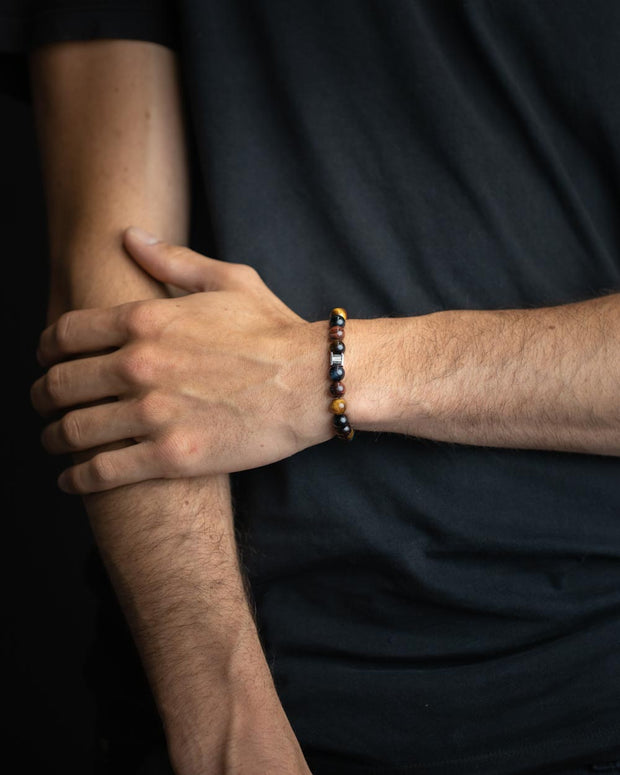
point(63, 482)
point(143, 236)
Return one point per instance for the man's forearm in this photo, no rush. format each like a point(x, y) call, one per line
point(111, 141)
point(110, 129)
point(170, 551)
point(545, 378)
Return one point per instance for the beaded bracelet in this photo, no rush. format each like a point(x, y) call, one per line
point(337, 320)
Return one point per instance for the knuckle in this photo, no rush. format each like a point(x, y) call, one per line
point(177, 251)
point(247, 273)
point(71, 431)
point(54, 384)
point(141, 319)
point(136, 365)
point(102, 470)
point(64, 327)
point(152, 409)
point(175, 452)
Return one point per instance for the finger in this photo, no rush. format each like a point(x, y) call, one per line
point(82, 331)
point(94, 426)
point(177, 265)
point(77, 382)
point(116, 468)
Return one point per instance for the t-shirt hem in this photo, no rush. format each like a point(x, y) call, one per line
point(548, 756)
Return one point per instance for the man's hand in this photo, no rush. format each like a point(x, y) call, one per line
point(223, 379)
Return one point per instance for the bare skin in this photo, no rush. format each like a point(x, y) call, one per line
point(198, 402)
point(110, 126)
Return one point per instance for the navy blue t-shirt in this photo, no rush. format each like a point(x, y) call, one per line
point(425, 607)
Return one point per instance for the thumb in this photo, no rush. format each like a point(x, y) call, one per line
point(175, 264)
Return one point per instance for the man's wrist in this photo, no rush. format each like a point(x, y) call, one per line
point(229, 718)
point(305, 378)
point(370, 357)
point(373, 361)
point(373, 382)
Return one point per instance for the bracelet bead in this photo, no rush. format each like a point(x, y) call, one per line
point(338, 406)
point(336, 320)
point(337, 389)
point(336, 373)
point(337, 347)
point(336, 332)
point(339, 311)
point(340, 421)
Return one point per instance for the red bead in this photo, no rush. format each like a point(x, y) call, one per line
point(336, 332)
point(337, 389)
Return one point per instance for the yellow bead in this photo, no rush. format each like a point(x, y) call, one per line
point(338, 406)
point(339, 311)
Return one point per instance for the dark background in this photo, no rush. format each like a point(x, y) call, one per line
point(74, 694)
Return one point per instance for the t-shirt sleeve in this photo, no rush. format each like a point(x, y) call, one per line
point(26, 24)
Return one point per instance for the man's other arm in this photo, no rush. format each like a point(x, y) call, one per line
point(110, 126)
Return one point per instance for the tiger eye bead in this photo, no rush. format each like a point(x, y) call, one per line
point(336, 332)
point(340, 421)
point(336, 373)
point(337, 389)
point(336, 320)
point(338, 406)
point(346, 433)
point(339, 311)
point(337, 347)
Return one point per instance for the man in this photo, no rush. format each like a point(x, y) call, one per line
point(439, 597)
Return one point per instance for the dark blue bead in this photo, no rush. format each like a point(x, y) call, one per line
point(336, 320)
point(344, 431)
point(336, 372)
point(340, 421)
point(337, 346)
